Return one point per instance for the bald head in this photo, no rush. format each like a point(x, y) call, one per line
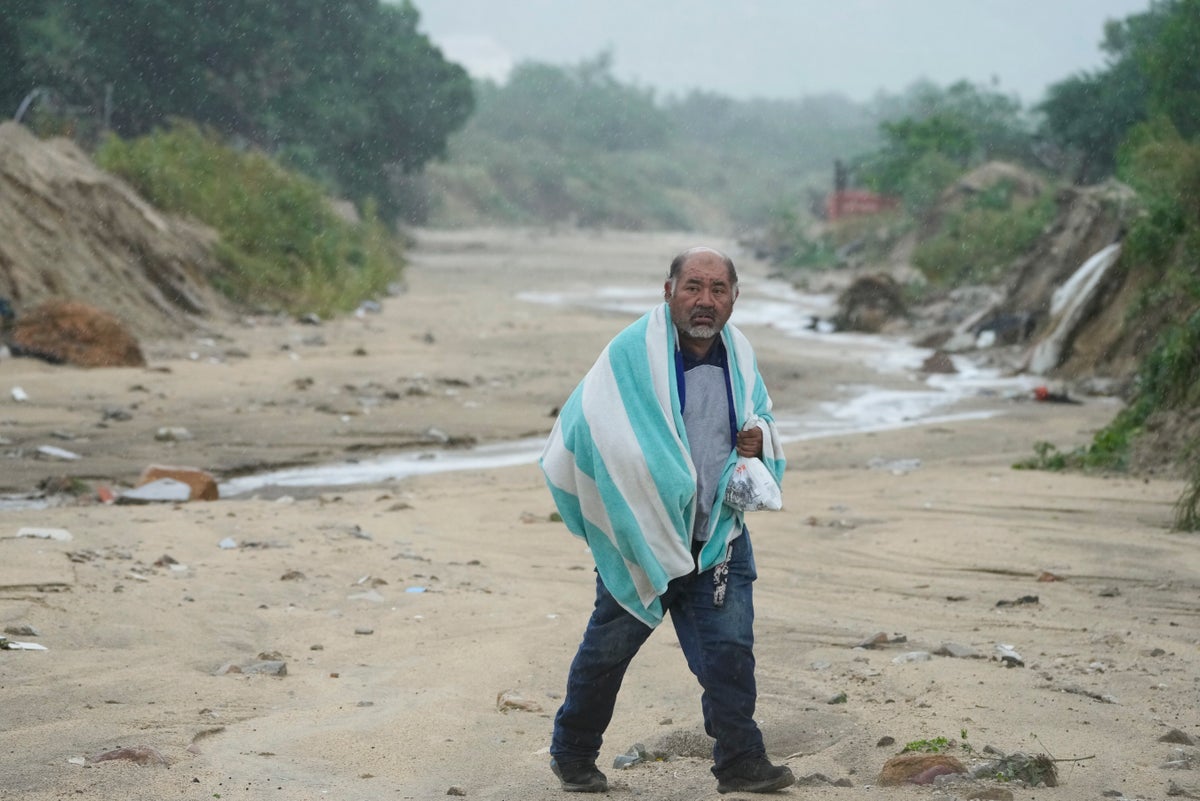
point(702, 253)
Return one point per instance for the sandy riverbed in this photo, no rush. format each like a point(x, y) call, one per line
point(468, 591)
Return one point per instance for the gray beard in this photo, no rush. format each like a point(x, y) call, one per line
point(701, 331)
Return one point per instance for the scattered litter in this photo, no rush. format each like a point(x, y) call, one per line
point(53, 452)
point(635, 754)
point(164, 490)
point(12, 645)
point(227, 543)
point(414, 589)
point(1044, 395)
point(1008, 655)
point(60, 534)
point(19, 395)
point(912, 656)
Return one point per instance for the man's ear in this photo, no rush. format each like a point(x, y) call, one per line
point(667, 290)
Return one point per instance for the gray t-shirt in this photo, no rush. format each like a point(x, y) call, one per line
point(706, 418)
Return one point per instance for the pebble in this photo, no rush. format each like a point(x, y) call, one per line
point(173, 434)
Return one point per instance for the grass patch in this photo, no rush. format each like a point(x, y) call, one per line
point(282, 246)
point(976, 243)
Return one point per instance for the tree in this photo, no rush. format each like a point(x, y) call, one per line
point(1154, 68)
point(349, 90)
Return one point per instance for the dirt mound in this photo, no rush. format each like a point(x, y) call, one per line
point(69, 332)
point(74, 232)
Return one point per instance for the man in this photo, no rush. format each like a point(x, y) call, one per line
point(638, 462)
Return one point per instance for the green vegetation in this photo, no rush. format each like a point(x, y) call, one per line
point(976, 243)
point(937, 745)
point(941, 134)
point(346, 90)
point(1147, 100)
point(282, 245)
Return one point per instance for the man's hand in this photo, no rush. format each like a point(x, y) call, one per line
point(749, 443)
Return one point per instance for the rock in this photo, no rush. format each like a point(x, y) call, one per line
point(881, 638)
point(870, 303)
point(163, 490)
point(69, 332)
point(939, 362)
point(509, 699)
point(202, 484)
point(918, 769)
point(173, 434)
point(957, 651)
point(21, 631)
point(1174, 735)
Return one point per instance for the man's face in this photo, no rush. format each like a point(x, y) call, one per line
point(703, 297)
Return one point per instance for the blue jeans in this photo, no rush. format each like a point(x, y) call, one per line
point(718, 642)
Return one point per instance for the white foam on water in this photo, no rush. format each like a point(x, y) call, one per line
point(391, 468)
point(774, 304)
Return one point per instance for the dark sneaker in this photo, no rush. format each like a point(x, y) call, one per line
point(581, 777)
point(756, 775)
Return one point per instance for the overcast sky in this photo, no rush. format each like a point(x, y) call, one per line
point(785, 48)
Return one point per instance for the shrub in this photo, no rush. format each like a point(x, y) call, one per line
point(281, 244)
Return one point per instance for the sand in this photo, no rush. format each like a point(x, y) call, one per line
point(426, 624)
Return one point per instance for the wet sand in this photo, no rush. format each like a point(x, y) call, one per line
point(404, 610)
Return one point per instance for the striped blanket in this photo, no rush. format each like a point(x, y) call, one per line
point(620, 471)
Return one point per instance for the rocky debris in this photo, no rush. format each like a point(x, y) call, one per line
point(918, 769)
point(508, 700)
point(939, 362)
point(73, 231)
point(70, 332)
point(870, 303)
point(202, 484)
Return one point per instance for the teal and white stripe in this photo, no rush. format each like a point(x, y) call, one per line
point(620, 470)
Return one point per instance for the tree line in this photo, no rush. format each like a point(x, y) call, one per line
point(348, 91)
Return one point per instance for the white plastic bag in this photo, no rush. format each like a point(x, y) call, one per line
point(752, 488)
